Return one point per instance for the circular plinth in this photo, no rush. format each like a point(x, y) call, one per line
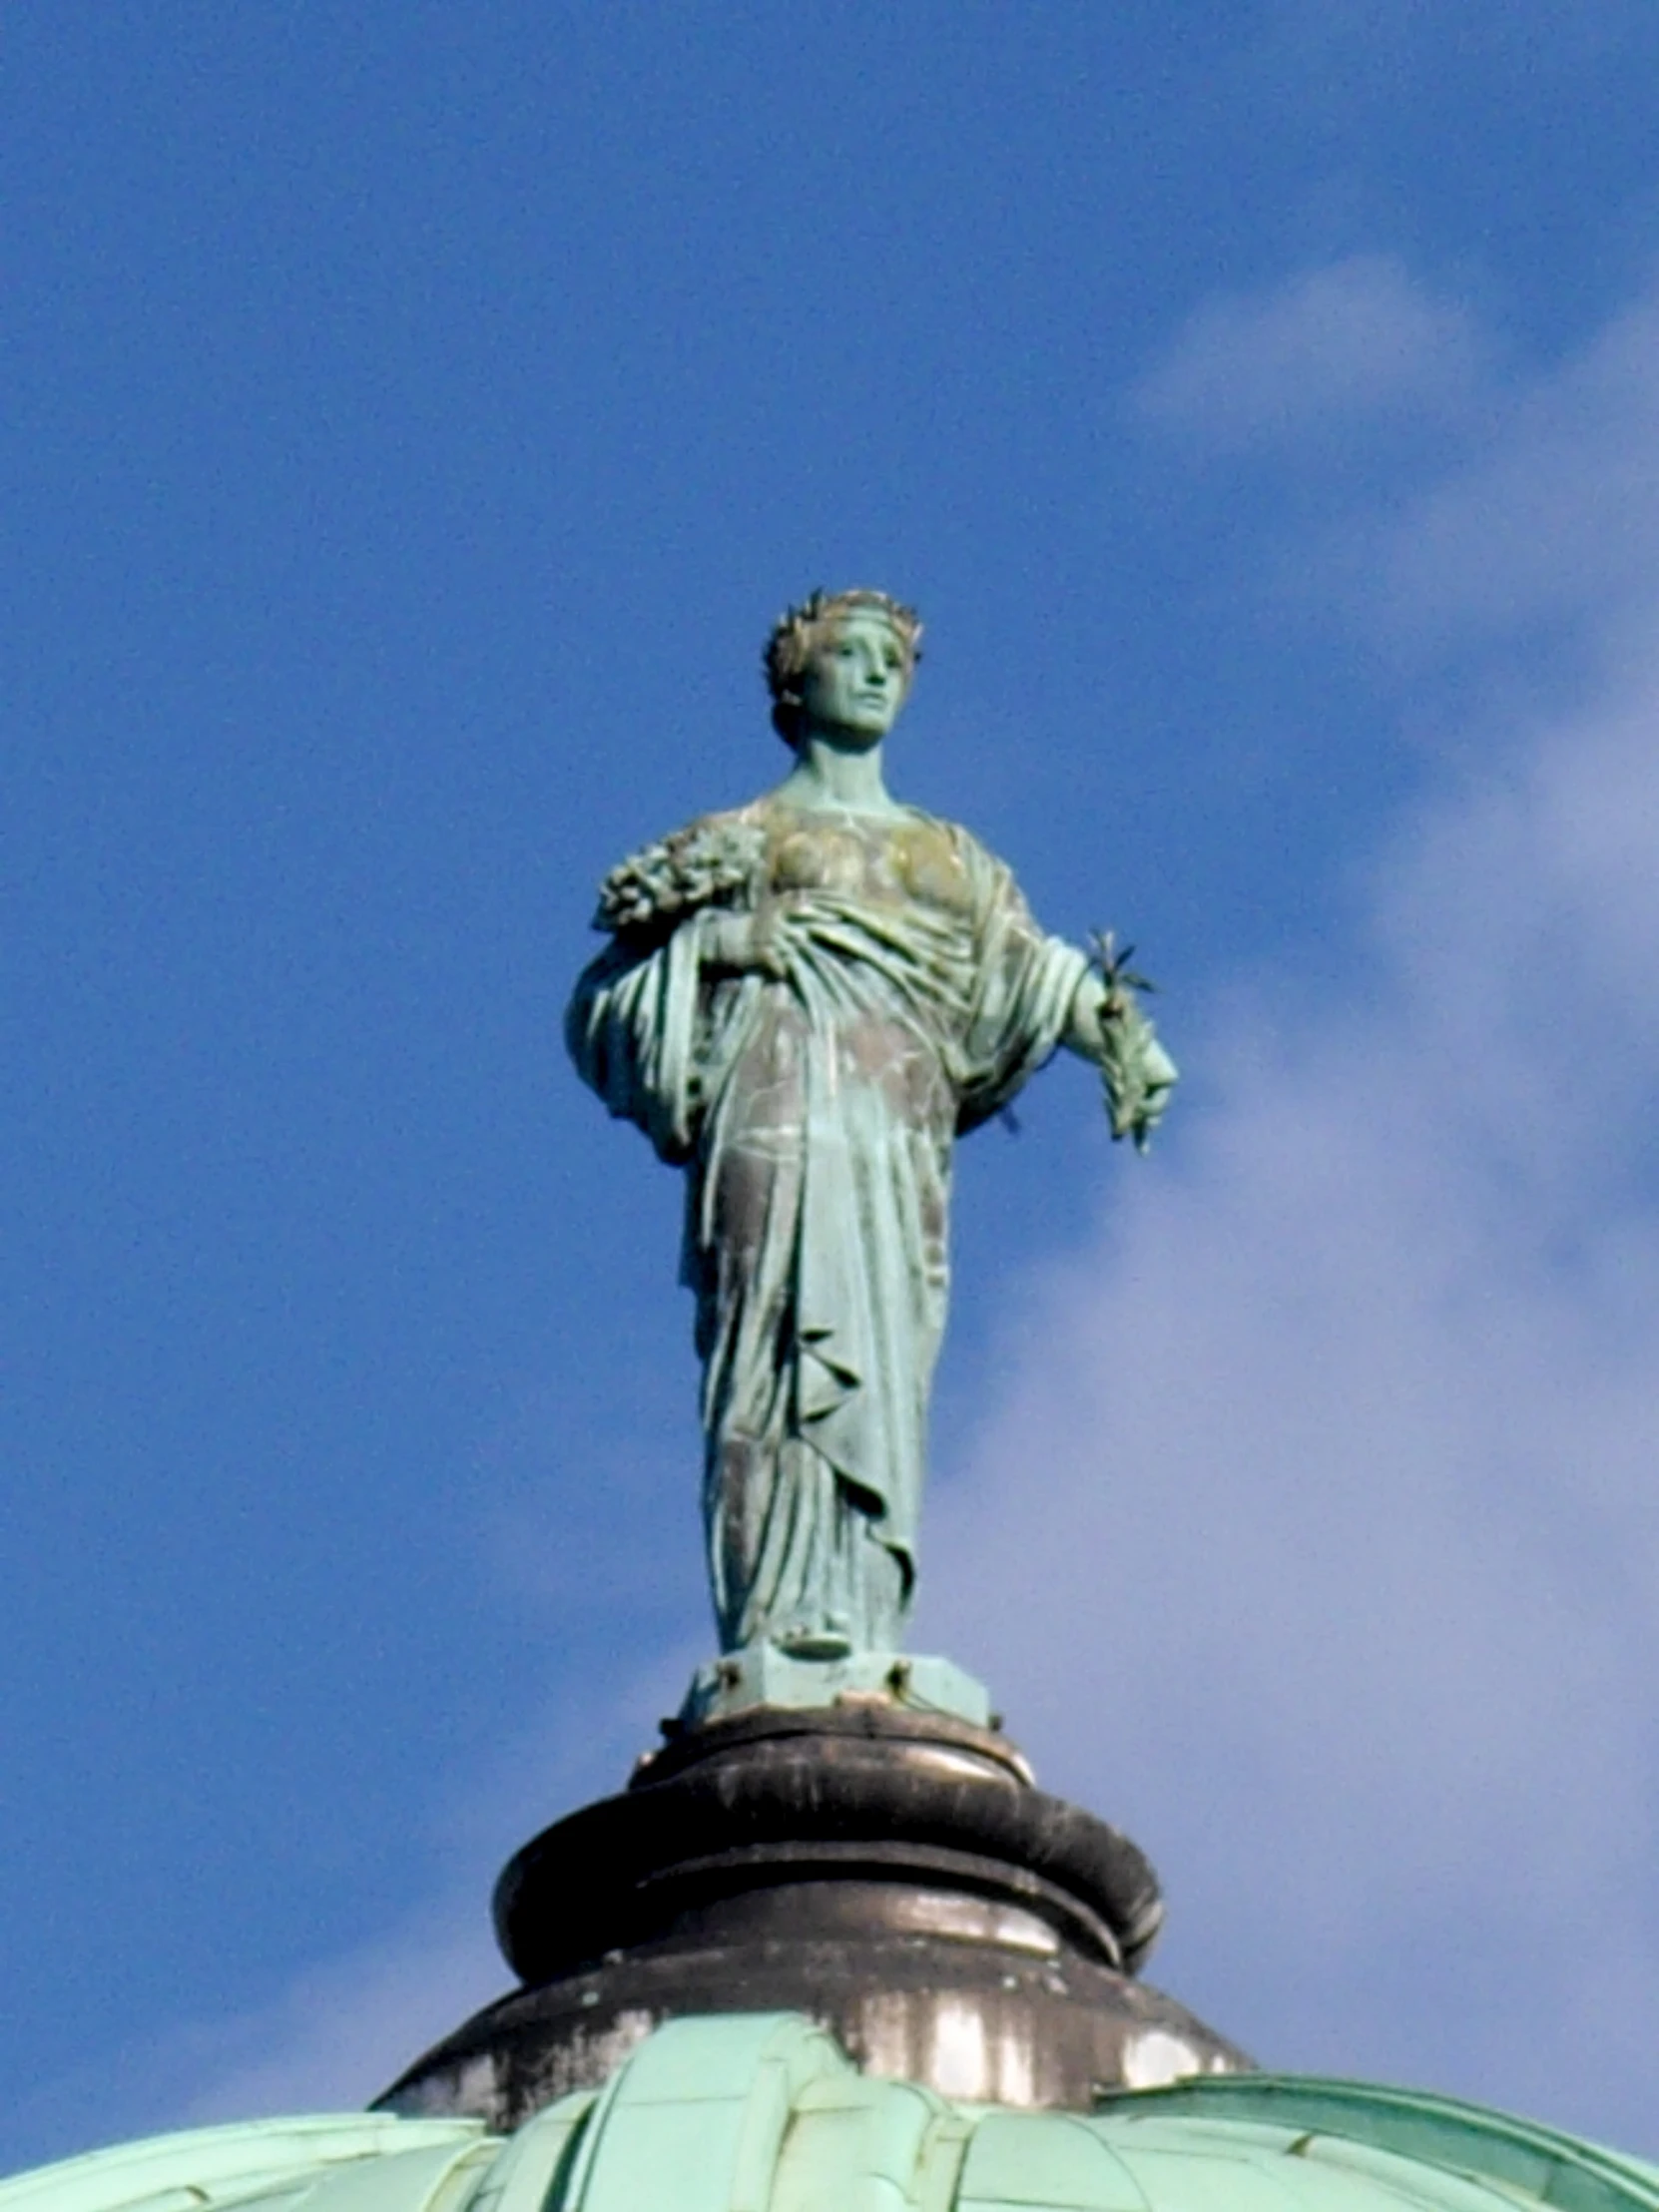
point(894, 1875)
point(871, 1795)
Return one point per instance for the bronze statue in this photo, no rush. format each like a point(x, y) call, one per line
point(805, 1002)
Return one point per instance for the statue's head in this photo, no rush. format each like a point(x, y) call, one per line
point(799, 651)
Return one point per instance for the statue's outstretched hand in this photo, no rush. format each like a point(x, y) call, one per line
point(1108, 1026)
point(1156, 1075)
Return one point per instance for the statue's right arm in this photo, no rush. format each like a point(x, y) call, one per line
point(630, 1028)
point(744, 944)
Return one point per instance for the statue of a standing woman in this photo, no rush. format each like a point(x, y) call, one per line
point(805, 1002)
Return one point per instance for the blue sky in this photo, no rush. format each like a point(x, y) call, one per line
point(413, 418)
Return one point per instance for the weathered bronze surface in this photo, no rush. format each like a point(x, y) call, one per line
point(897, 1877)
point(804, 1003)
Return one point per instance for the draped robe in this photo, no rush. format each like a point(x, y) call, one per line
point(815, 1112)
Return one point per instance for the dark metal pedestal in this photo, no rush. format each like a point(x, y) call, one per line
point(893, 1874)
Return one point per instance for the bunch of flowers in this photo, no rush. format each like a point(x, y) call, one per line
point(707, 863)
point(1134, 1070)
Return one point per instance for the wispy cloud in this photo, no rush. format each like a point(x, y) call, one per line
point(1554, 516)
point(1316, 1534)
point(343, 2028)
point(1356, 340)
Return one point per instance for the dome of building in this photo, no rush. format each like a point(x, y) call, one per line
point(761, 2112)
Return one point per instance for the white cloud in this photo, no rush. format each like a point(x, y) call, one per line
point(1360, 339)
point(1537, 518)
point(343, 2029)
point(1556, 516)
point(1315, 1535)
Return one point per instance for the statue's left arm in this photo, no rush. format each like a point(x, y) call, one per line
point(1109, 1027)
point(1036, 993)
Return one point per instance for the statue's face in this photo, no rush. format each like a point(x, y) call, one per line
point(856, 680)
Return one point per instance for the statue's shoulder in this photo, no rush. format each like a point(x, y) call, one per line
point(991, 889)
point(710, 861)
point(971, 850)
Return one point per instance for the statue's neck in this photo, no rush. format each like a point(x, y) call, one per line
point(828, 775)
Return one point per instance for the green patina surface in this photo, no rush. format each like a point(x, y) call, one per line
point(761, 2112)
point(803, 1002)
point(762, 1674)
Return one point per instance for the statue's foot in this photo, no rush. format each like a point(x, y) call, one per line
point(802, 1670)
point(829, 1642)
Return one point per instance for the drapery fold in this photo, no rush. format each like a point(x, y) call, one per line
point(816, 1112)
